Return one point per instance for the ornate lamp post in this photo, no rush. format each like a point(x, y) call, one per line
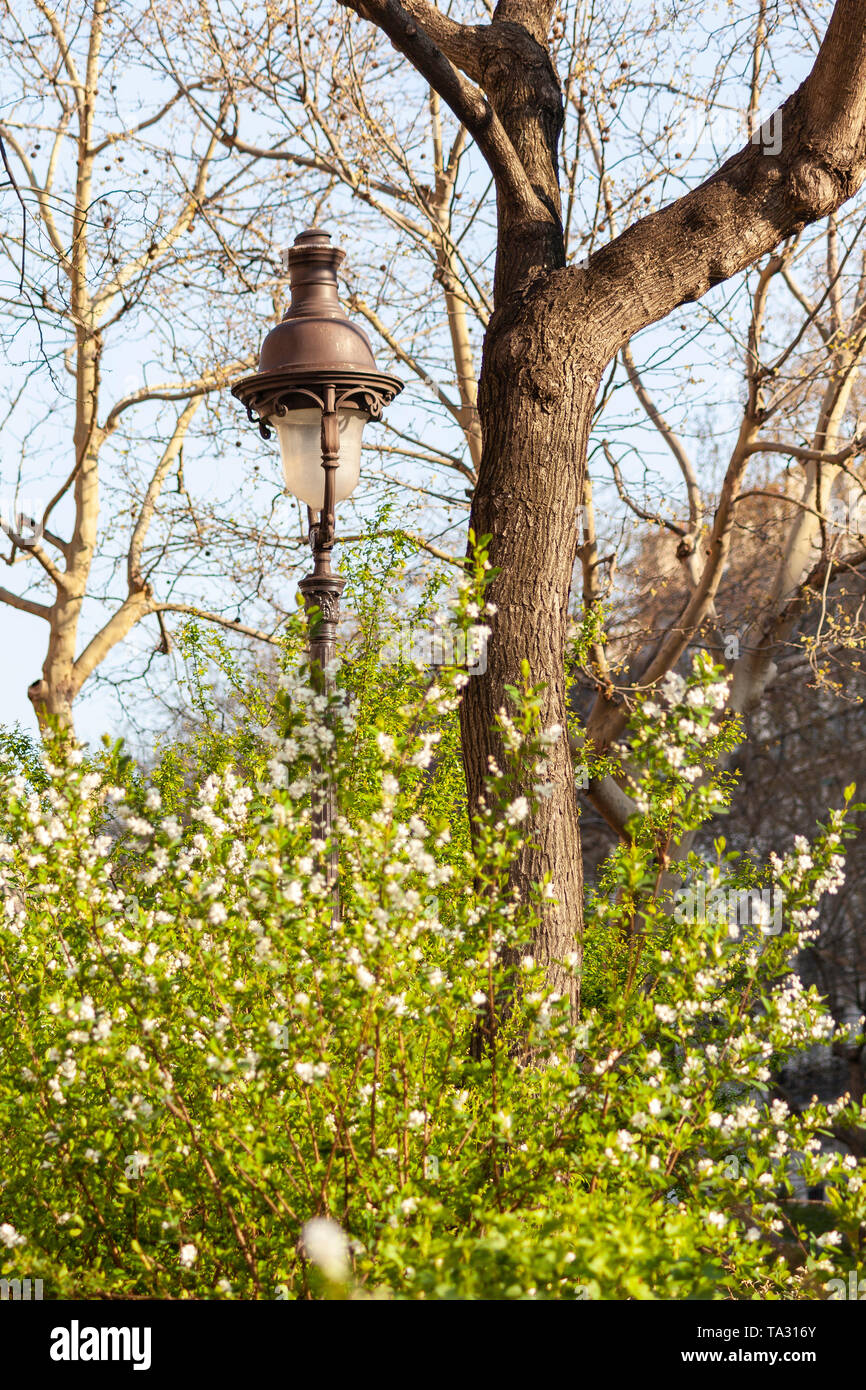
point(317, 386)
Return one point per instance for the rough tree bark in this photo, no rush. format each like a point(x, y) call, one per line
point(556, 327)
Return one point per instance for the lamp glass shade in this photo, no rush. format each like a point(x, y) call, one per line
point(300, 436)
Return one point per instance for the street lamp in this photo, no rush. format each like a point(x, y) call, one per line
point(317, 386)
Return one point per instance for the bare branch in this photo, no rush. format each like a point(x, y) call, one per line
point(654, 517)
point(218, 618)
point(148, 506)
point(672, 440)
point(806, 455)
point(26, 605)
point(64, 49)
point(177, 391)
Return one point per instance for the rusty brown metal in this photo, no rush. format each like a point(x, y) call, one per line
point(316, 346)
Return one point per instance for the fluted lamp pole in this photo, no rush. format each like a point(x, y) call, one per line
point(317, 385)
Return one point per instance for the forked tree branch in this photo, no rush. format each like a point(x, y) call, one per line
point(460, 43)
point(177, 391)
point(466, 101)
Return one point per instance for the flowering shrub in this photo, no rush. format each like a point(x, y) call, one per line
point(213, 1085)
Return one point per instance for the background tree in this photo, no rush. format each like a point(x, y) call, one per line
point(745, 565)
point(129, 248)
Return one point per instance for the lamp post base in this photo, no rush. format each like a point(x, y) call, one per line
point(321, 591)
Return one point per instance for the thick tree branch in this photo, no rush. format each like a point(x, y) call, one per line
point(613, 804)
point(460, 43)
point(468, 104)
point(806, 455)
point(535, 16)
point(805, 163)
point(121, 622)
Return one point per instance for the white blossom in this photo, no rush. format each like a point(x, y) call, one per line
point(326, 1245)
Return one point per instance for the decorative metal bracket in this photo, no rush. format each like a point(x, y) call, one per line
point(275, 393)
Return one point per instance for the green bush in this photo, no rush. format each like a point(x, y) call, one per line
point(215, 1087)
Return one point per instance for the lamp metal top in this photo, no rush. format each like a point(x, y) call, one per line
point(316, 345)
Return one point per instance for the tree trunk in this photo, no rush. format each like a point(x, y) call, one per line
point(52, 705)
point(535, 404)
point(535, 421)
point(53, 694)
